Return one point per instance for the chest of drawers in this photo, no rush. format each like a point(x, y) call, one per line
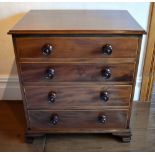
point(77, 71)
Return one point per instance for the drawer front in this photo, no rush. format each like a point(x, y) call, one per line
point(72, 72)
point(77, 47)
point(58, 121)
point(77, 96)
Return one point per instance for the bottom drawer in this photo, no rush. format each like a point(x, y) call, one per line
point(74, 121)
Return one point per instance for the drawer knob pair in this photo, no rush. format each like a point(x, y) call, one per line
point(54, 119)
point(103, 95)
point(49, 74)
point(47, 49)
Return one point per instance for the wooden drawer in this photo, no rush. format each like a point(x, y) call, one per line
point(77, 47)
point(77, 96)
point(74, 72)
point(72, 121)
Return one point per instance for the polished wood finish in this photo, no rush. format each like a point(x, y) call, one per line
point(77, 47)
point(80, 60)
point(78, 72)
point(75, 121)
point(77, 22)
point(77, 96)
point(79, 77)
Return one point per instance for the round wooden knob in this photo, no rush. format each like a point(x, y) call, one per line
point(102, 119)
point(104, 96)
point(47, 49)
point(54, 119)
point(107, 49)
point(106, 73)
point(51, 97)
point(49, 74)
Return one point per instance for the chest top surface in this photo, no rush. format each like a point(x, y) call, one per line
point(77, 22)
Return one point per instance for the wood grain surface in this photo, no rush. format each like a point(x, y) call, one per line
point(77, 96)
point(77, 120)
point(76, 72)
point(77, 21)
point(77, 47)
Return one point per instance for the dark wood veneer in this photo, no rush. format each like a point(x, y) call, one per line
point(77, 22)
point(76, 72)
point(77, 47)
point(77, 96)
point(77, 120)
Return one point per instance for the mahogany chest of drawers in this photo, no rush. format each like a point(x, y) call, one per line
point(77, 71)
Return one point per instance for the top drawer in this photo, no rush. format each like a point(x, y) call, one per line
point(77, 47)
